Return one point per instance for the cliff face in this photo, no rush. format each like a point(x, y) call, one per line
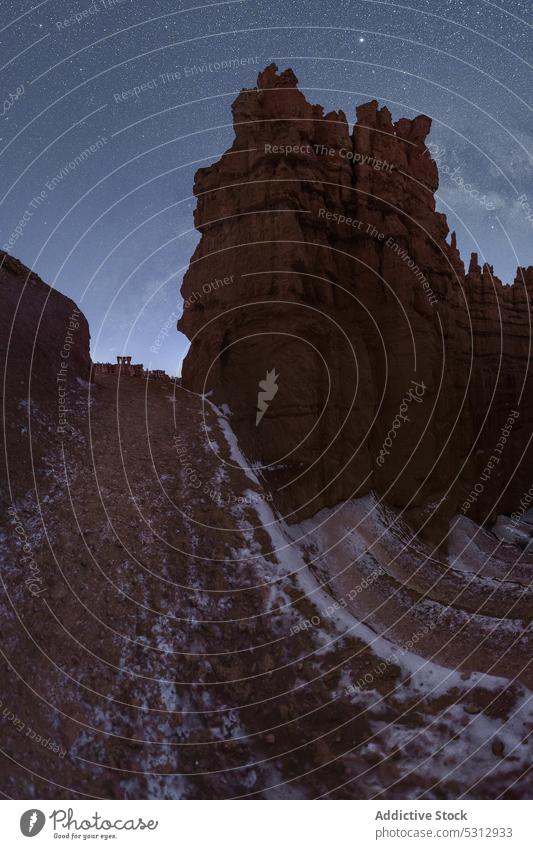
point(324, 271)
point(44, 349)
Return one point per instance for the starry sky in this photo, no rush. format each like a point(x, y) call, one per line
point(123, 80)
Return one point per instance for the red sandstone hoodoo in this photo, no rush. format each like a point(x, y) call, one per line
point(345, 284)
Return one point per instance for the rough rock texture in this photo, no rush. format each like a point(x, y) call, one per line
point(166, 635)
point(179, 642)
point(44, 350)
point(349, 312)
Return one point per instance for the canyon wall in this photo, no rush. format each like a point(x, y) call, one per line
point(326, 289)
point(44, 349)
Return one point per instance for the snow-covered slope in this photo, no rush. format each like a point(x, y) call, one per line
point(189, 643)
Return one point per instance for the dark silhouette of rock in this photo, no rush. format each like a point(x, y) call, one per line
point(44, 346)
point(395, 370)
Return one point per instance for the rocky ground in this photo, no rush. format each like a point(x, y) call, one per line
point(165, 634)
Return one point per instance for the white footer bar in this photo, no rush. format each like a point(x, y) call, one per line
point(269, 824)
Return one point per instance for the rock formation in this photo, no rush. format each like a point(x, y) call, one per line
point(390, 368)
point(44, 347)
point(166, 634)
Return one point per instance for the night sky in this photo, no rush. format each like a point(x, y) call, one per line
point(115, 232)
